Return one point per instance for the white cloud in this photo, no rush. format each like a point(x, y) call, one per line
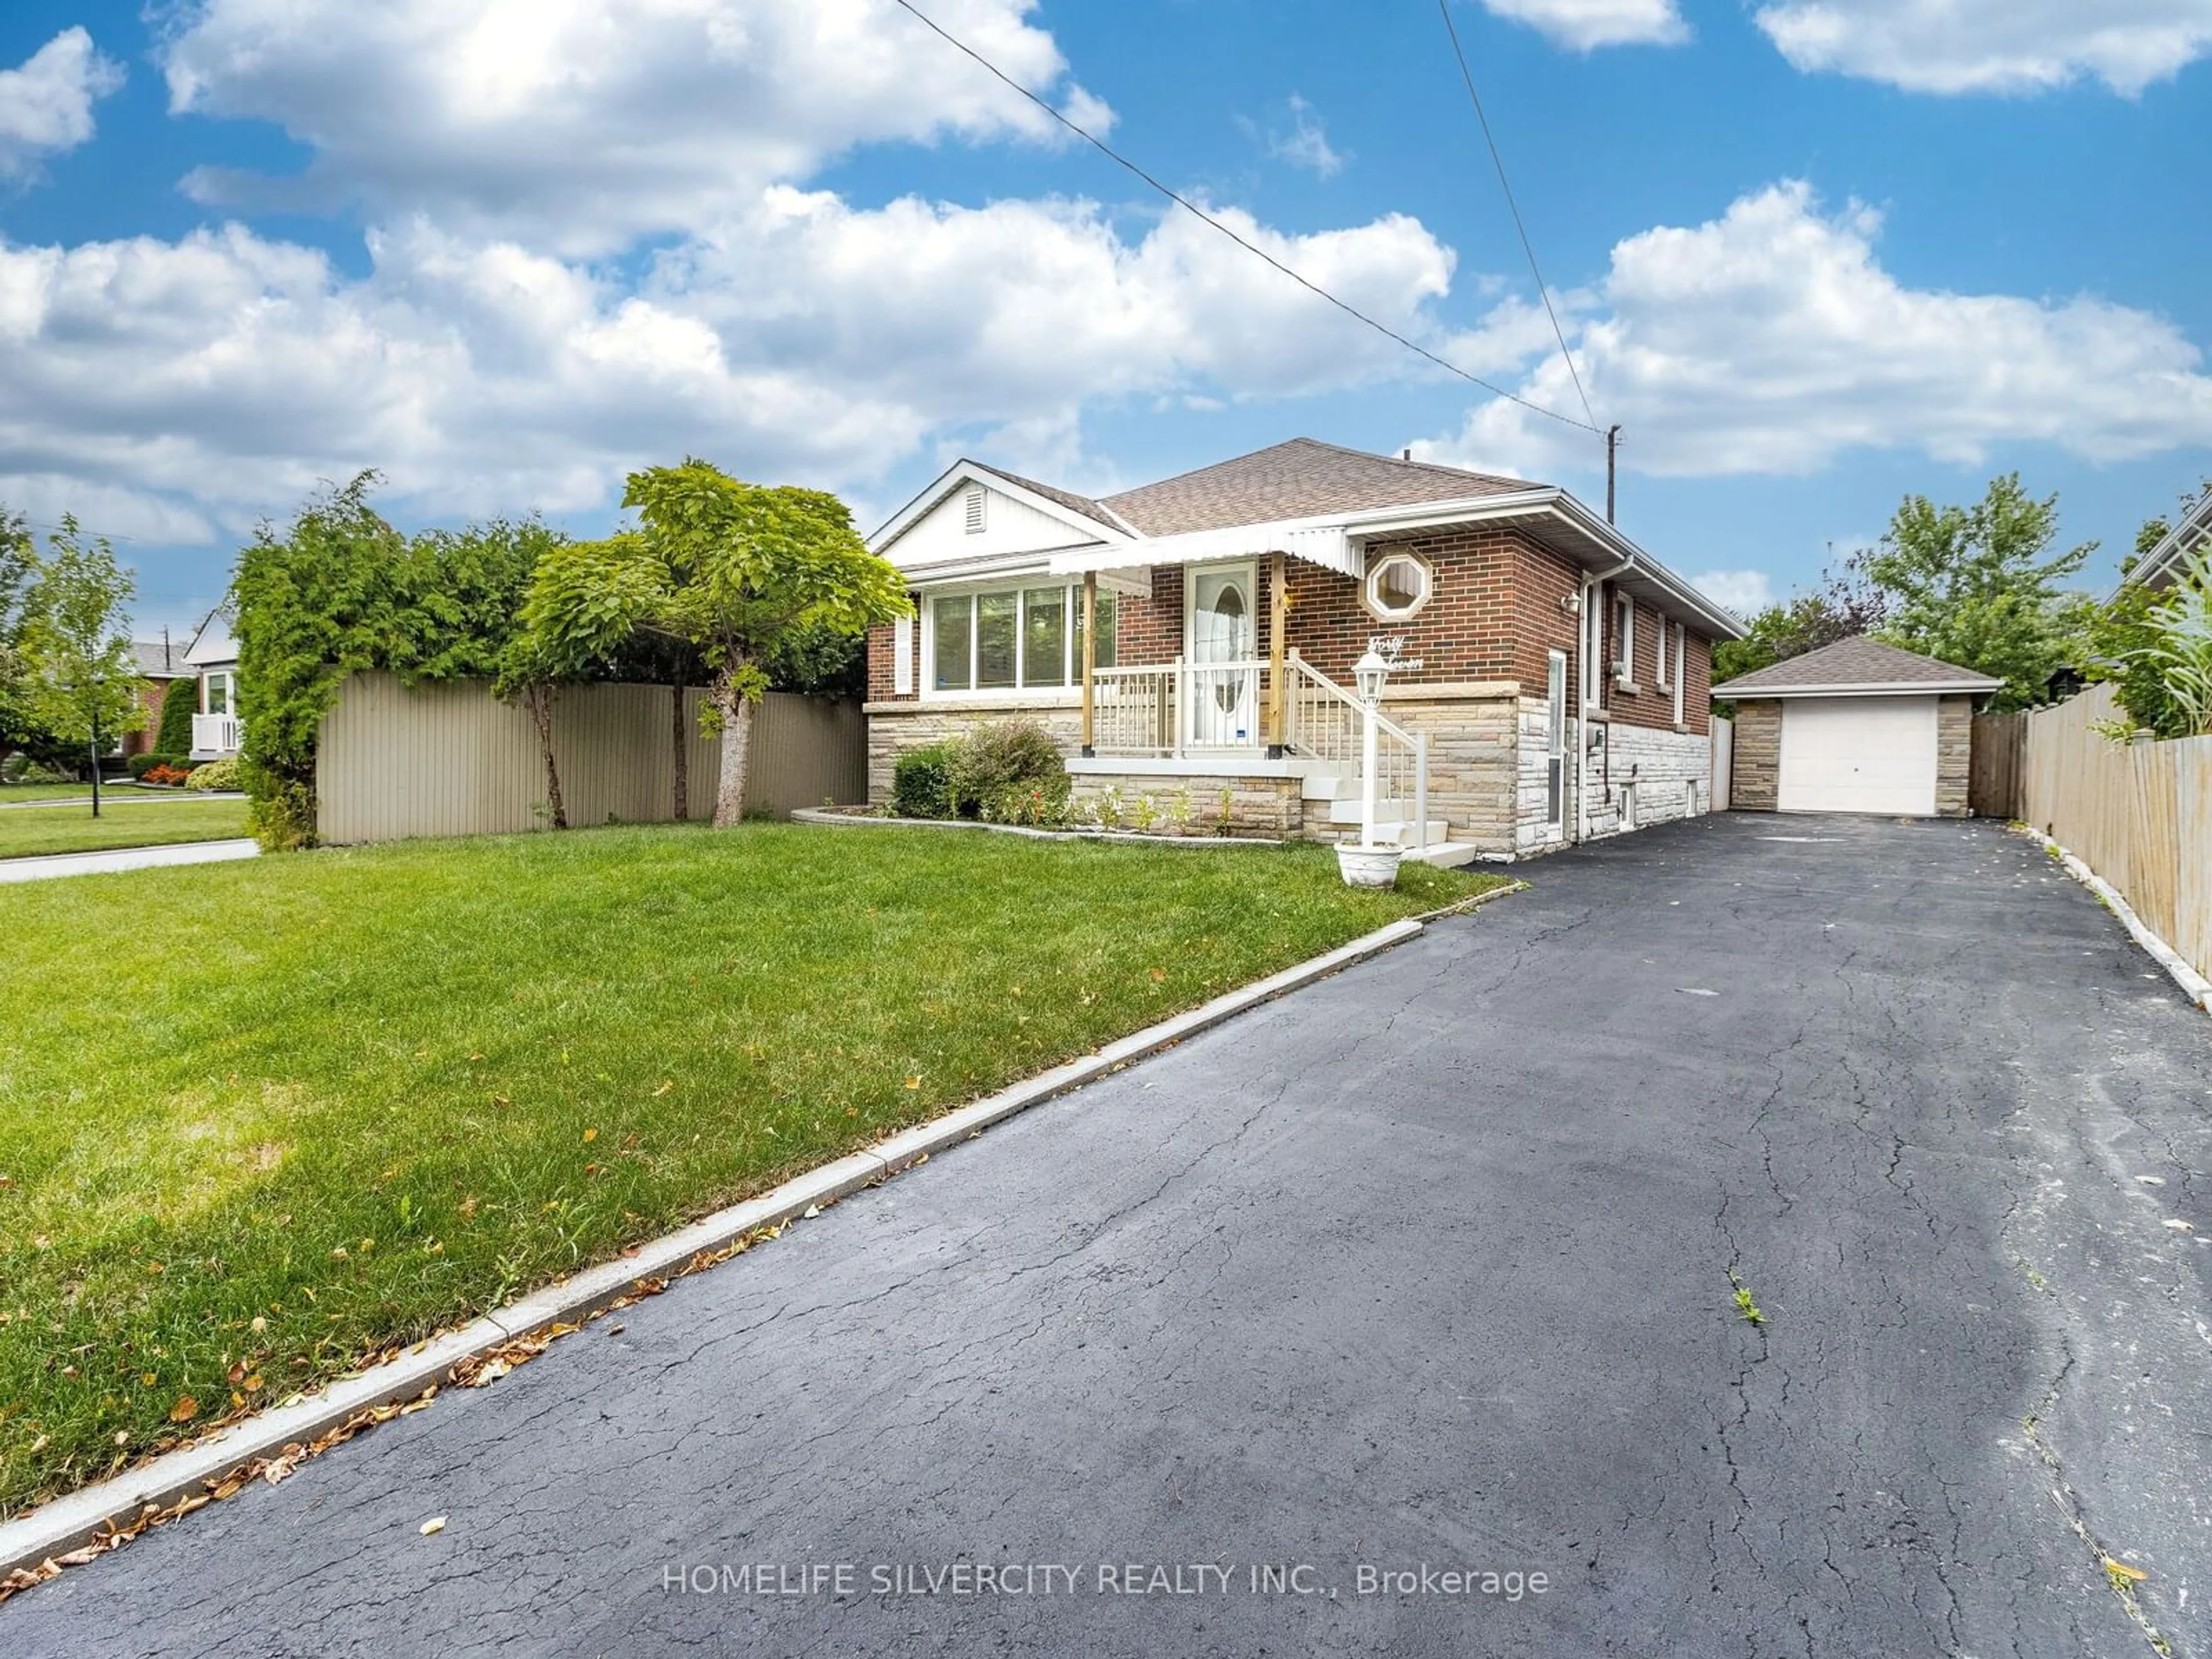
point(1772, 340)
point(1992, 45)
point(807, 339)
point(45, 106)
point(579, 126)
point(1587, 24)
point(1306, 144)
point(1747, 592)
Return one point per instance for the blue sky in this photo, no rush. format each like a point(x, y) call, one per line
point(1812, 254)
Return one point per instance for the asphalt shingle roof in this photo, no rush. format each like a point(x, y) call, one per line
point(1302, 479)
point(1067, 498)
point(160, 661)
point(1858, 661)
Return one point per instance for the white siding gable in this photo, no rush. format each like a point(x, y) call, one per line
point(942, 535)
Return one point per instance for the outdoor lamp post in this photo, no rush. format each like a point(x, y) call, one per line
point(1369, 864)
point(1368, 674)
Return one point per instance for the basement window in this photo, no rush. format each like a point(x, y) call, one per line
point(1398, 585)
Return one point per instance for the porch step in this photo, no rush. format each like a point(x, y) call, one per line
point(1446, 855)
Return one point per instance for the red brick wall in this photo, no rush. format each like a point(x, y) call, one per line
point(1493, 614)
point(1650, 705)
point(149, 698)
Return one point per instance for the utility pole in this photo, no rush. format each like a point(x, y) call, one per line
point(1611, 458)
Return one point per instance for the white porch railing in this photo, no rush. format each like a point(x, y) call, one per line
point(216, 732)
point(1326, 722)
point(1179, 709)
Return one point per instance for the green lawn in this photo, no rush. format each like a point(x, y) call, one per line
point(137, 823)
point(359, 1096)
point(27, 792)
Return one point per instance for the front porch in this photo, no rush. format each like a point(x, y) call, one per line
point(214, 737)
point(1277, 733)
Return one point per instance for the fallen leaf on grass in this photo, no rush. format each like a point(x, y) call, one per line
point(666, 1084)
point(591, 1135)
point(1159, 974)
point(185, 1410)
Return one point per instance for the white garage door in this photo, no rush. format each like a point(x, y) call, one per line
point(1859, 755)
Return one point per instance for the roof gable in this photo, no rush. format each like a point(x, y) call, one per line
point(1857, 663)
point(1017, 516)
point(1302, 479)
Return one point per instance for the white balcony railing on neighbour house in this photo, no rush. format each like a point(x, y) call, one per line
point(1180, 710)
point(216, 732)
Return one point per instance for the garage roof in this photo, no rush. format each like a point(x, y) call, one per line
point(1856, 667)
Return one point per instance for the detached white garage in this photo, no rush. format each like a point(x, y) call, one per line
point(1856, 727)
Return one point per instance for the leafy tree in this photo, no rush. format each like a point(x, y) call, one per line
point(178, 704)
point(84, 678)
point(1973, 585)
point(18, 564)
point(1846, 604)
point(733, 569)
point(321, 601)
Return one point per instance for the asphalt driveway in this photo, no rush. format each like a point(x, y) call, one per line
point(1426, 1265)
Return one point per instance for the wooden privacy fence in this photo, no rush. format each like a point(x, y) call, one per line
point(450, 759)
point(2000, 749)
point(2139, 815)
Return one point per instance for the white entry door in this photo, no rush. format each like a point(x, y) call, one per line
point(1859, 755)
point(1223, 708)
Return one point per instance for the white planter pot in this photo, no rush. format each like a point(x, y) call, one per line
point(1368, 866)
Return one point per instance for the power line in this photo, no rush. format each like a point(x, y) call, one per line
point(1527, 247)
point(1183, 201)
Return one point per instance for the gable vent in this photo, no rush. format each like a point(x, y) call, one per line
point(975, 509)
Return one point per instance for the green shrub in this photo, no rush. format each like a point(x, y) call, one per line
point(920, 783)
point(178, 704)
point(216, 775)
point(1004, 759)
point(140, 765)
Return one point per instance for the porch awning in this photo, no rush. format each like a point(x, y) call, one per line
point(1330, 545)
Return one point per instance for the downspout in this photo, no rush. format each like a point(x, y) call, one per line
point(1591, 686)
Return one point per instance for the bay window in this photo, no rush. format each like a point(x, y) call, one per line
point(1005, 639)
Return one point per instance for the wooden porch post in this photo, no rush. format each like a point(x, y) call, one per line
point(1090, 658)
point(1279, 607)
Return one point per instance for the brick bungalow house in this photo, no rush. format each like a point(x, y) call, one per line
point(160, 661)
point(1198, 635)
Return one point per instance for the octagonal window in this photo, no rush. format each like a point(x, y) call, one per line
point(1398, 585)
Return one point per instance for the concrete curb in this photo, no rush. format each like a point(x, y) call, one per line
point(115, 1503)
point(2193, 984)
point(56, 867)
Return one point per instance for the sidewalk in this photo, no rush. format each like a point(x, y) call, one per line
point(124, 858)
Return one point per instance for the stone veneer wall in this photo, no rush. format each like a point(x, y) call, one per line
point(896, 728)
point(1533, 832)
point(1257, 806)
point(1672, 773)
point(1955, 750)
point(1758, 777)
point(1472, 742)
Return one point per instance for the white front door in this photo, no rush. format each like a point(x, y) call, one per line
point(1857, 755)
point(1222, 709)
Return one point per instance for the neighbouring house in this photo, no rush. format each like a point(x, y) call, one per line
point(160, 662)
point(1198, 634)
point(2161, 567)
point(212, 655)
point(1856, 726)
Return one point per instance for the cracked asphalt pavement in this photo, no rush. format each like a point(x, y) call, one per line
point(1428, 1263)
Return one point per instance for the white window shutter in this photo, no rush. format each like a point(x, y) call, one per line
point(902, 657)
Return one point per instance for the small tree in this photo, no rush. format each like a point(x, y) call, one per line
point(732, 568)
point(178, 704)
point(84, 675)
point(1972, 585)
point(18, 564)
